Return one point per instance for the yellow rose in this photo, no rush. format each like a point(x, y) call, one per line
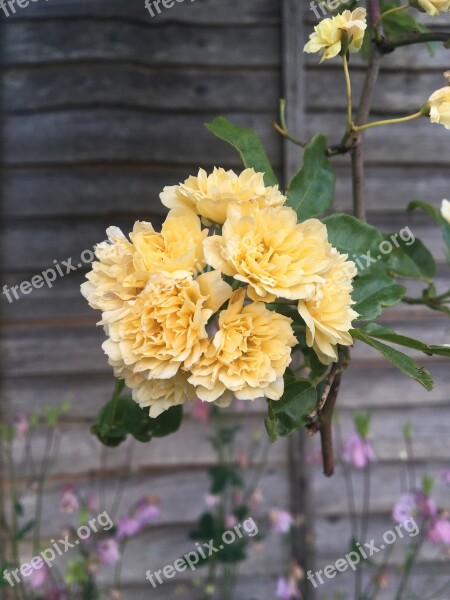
point(105, 288)
point(271, 252)
point(328, 314)
point(163, 329)
point(123, 268)
point(327, 36)
point(210, 195)
point(445, 210)
point(178, 249)
point(248, 355)
point(434, 7)
point(439, 103)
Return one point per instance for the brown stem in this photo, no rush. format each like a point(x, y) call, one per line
point(326, 429)
point(386, 45)
point(359, 209)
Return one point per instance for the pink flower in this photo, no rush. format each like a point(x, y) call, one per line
point(446, 476)
point(412, 505)
point(91, 502)
point(201, 410)
point(211, 501)
point(68, 503)
point(256, 500)
point(281, 521)
point(22, 425)
point(146, 512)
point(439, 531)
point(358, 451)
point(287, 589)
point(127, 527)
point(39, 577)
point(231, 521)
point(108, 552)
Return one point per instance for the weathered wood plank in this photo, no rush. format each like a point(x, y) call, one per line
point(87, 393)
point(330, 497)
point(128, 86)
point(198, 12)
point(411, 58)
point(171, 489)
point(160, 455)
point(395, 93)
point(420, 142)
point(132, 190)
point(171, 45)
point(121, 135)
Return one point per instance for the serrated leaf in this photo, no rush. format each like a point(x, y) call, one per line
point(289, 413)
point(311, 190)
point(247, 143)
point(403, 362)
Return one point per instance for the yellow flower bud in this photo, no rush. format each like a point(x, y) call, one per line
point(434, 7)
point(440, 107)
point(328, 35)
point(445, 210)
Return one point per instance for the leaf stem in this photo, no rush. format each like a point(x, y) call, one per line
point(360, 128)
point(348, 84)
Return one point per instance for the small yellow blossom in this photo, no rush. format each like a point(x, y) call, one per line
point(445, 210)
point(271, 252)
point(210, 195)
point(439, 103)
point(328, 314)
point(434, 7)
point(327, 36)
point(248, 355)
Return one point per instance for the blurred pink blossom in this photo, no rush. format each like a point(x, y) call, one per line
point(127, 527)
point(446, 476)
point(201, 410)
point(108, 552)
point(68, 503)
point(414, 504)
point(287, 589)
point(281, 521)
point(211, 501)
point(439, 531)
point(231, 521)
point(92, 502)
point(256, 499)
point(358, 451)
point(146, 512)
point(39, 577)
point(22, 423)
point(56, 594)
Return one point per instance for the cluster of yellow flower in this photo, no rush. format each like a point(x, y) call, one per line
point(176, 327)
point(350, 26)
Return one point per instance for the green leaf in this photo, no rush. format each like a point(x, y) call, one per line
point(123, 416)
point(388, 335)
point(398, 359)
point(412, 260)
point(398, 24)
point(221, 477)
point(428, 483)
point(362, 423)
point(289, 413)
point(357, 239)
point(374, 290)
point(248, 144)
point(311, 190)
point(23, 531)
point(436, 215)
